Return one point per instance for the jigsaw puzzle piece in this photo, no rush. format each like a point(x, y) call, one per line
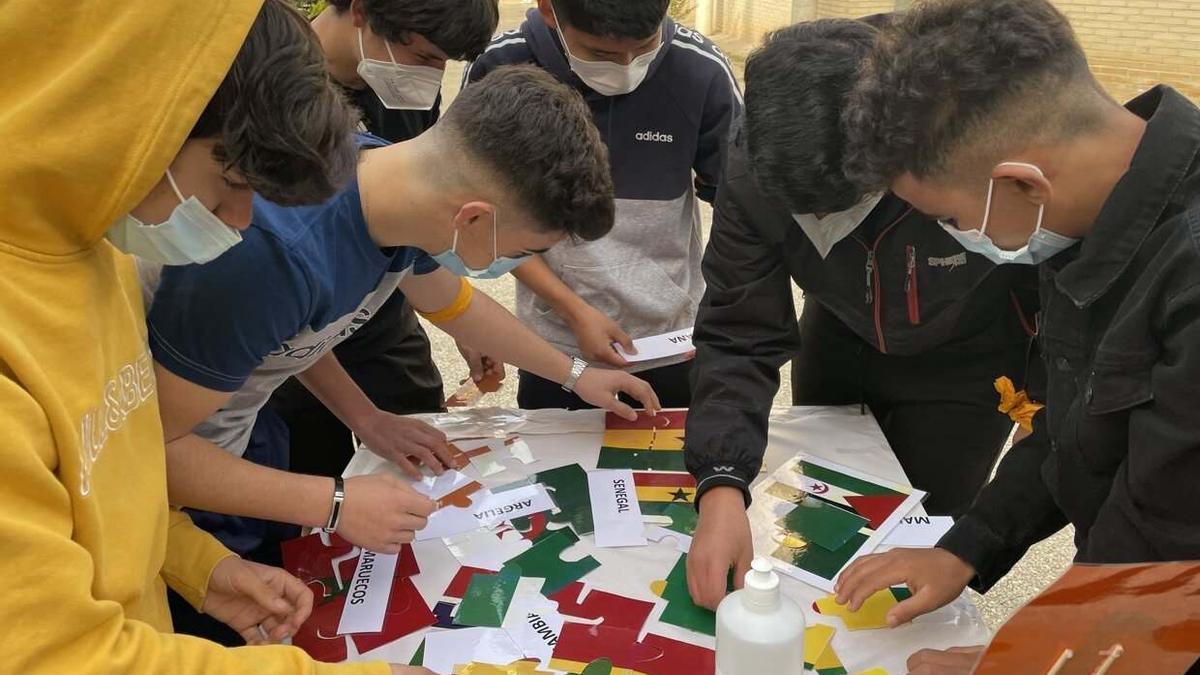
point(816, 639)
point(664, 419)
point(544, 560)
point(581, 644)
point(568, 487)
point(680, 610)
point(610, 609)
point(406, 614)
point(872, 614)
point(486, 600)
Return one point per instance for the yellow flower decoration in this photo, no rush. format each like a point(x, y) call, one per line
point(1016, 404)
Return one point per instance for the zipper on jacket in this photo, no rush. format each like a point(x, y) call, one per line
point(910, 286)
point(870, 277)
point(874, 289)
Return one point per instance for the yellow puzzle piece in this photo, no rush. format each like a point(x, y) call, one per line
point(515, 668)
point(873, 613)
point(644, 439)
point(816, 640)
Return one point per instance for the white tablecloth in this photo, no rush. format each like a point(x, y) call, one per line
point(559, 437)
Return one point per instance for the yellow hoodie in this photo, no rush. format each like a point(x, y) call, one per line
point(96, 98)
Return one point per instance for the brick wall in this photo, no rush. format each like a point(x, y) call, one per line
point(1131, 44)
point(1135, 44)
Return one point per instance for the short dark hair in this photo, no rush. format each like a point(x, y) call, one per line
point(634, 19)
point(535, 136)
point(954, 86)
point(460, 28)
point(796, 88)
point(277, 118)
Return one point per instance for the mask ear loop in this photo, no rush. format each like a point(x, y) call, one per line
point(987, 208)
point(495, 237)
point(171, 180)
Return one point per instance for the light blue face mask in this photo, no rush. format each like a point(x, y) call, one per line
point(192, 234)
point(499, 267)
point(1042, 244)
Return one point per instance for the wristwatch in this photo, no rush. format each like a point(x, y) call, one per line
point(578, 365)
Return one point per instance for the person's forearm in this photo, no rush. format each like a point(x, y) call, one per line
point(337, 391)
point(493, 330)
point(539, 278)
point(201, 475)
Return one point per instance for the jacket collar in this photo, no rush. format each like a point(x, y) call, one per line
point(1139, 200)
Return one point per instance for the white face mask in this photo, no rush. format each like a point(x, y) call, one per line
point(826, 232)
point(1042, 244)
point(606, 77)
point(399, 86)
point(192, 234)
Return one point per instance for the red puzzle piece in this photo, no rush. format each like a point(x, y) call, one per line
point(615, 611)
point(876, 508)
point(665, 419)
point(458, 585)
point(312, 561)
point(656, 655)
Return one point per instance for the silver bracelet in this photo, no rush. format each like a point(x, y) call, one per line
point(578, 365)
point(335, 511)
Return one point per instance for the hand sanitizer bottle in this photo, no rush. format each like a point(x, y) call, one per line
point(758, 629)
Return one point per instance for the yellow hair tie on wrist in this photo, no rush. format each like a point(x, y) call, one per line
point(1016, 404)
point(455, 309)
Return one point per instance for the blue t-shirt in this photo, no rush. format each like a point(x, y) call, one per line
point(302, 280)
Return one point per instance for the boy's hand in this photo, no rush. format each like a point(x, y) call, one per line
point(480, 365)
point(595, 333)
point(263, 604)
point(400, 439)
point(953, 661)
point(722, 541)
point(382, 512)
point(935, 576)
point(600, 388)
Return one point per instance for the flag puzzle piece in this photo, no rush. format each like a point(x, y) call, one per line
point(872, 614)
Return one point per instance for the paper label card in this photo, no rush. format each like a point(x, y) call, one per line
point(615, 510)
point(919, 531)
point(367, 596)
point(662, 346)
point(486, 510)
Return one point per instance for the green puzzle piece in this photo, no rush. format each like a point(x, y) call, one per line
point(487, 598)
point(680, 610)
point(568, 486)
point(598, 667)
point(822, 523)
point(544, 561)
point(683, 516)
point(819, 561)
point(641, 460)
point(418, 658)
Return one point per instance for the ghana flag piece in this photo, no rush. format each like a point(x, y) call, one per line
point(665, 419)
point(641, 459)
point(644, 439)
point(664, 486)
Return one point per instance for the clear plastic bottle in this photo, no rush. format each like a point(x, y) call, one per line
point(759, 629)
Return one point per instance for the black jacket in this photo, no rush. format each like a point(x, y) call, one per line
point(1117, 450)
point(899, 282)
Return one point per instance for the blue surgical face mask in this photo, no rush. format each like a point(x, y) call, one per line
point(499, 267)
point(1042, 244)
point(192, 234)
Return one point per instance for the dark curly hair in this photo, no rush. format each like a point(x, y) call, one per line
point(460, 28)
point(535, 136)
point(633, 19)
point(277, 118)
point(796, 88)
point(955, 86)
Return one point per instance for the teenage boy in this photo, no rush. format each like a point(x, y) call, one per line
point(984, 114)
point(176, 112)
point(925, 337)
point(663, 97)
point(512, 168)
point(389, 57)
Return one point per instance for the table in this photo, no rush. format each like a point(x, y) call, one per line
point(558, 437)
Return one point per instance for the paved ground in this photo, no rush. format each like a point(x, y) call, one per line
point(1043, 564)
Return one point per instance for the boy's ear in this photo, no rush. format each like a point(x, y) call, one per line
point(547, 12)
point(473, 213)
point(1029, 179)
point(357, 14)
